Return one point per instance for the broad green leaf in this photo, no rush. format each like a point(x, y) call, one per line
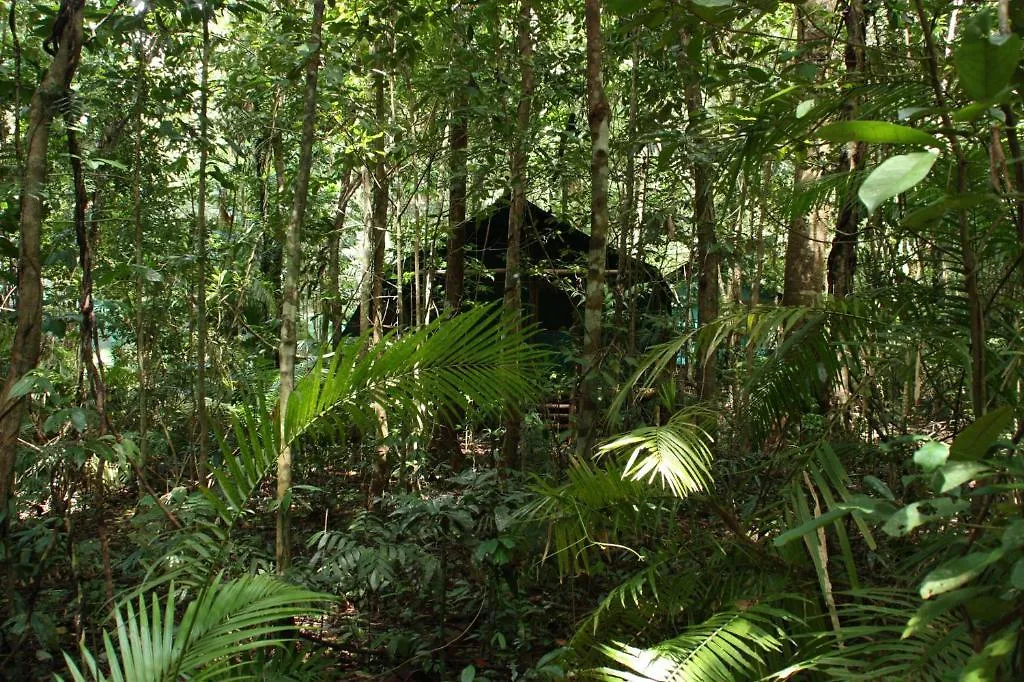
point(936, 210)
point(983, 666)
point(895, 176)
point(23, 387)
point(930, 610)
point(955, 474)
point(1017, 575)
point(468, 674)
point(931, 455)
point(919, 513)
point(804, 107)
point(1013, 536)
point(879, 486)
point(986, 64)
point(876, 132)
point(78, 419)
point(973, 442)
point(957, 572)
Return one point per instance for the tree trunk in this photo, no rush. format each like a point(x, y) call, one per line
point(379, 219)
point(804, 273)
point(599, 117)
point(201, 325)
point(290, 298)
point(27, 343)
point(842, 259)
point(517, 173)
point(140, 280)
point(708, 255)
point(332, 310)
point(458, 142)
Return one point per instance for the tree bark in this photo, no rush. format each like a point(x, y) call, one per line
point(201, 238)
point(458, 142)
point(842, 259)
point(517, 211)
point(332, 310)
point(599, 117)
point(290, 297)
point(26, 346)
point(379, 218)
point(804, 272)
point(708, 254)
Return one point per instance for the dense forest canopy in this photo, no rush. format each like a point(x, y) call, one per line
point(512, 340)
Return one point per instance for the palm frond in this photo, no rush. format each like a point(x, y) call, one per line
point(229, 617)
point(676, 454)
point(728, 646)
point(477, 358)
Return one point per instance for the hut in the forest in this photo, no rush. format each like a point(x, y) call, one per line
point(553, 266)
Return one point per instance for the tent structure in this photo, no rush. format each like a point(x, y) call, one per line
point(553, 261)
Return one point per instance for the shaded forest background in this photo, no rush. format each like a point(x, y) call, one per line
point(670, 340)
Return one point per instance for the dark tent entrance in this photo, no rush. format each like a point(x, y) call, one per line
point(553, 272)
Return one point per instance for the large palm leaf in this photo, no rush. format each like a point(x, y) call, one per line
point(728, 646)
point(477, 358)
point(228, 618)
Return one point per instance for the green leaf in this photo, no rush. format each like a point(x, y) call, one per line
point(937, 210)
point(23, 387)
point(78, 419)
point(875, 132)
point(895, 176)
point(955, 474)
point(468, 674)
point(863, 505)
point(879, 486)
point(920, 513)
point(1017, 575)
point(804, 107)
point(930, 610)
point(973, 442)
point(983, 666)
point(931, 455)
point(1013, 536)
point(986, 64)
point(957, 572)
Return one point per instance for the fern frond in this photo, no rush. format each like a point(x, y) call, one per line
point(229, 617)
point(728, 646)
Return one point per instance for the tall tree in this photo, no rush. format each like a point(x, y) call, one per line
point(290, 297)
point(517, 211)
point(201, 239)
point(65, 44)
point(599, 117)
point(804, 276)
point(458, 143)
point(708, 254)
point(842, 259)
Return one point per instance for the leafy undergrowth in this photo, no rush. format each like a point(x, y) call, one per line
point(442, 583)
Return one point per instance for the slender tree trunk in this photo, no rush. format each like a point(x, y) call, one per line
point(458, 142)
point(969, 264)
point(27, 343)
point(12, 21)
point(599, 117)
point(842, 259)
point(709, 257)
point(290, 298)
point(366, 278)
point(804, 273)
point(379, 218)
point(332, 311)
point(141, 340)
point(201, 325)
point(517, 211)
point(628, 208)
